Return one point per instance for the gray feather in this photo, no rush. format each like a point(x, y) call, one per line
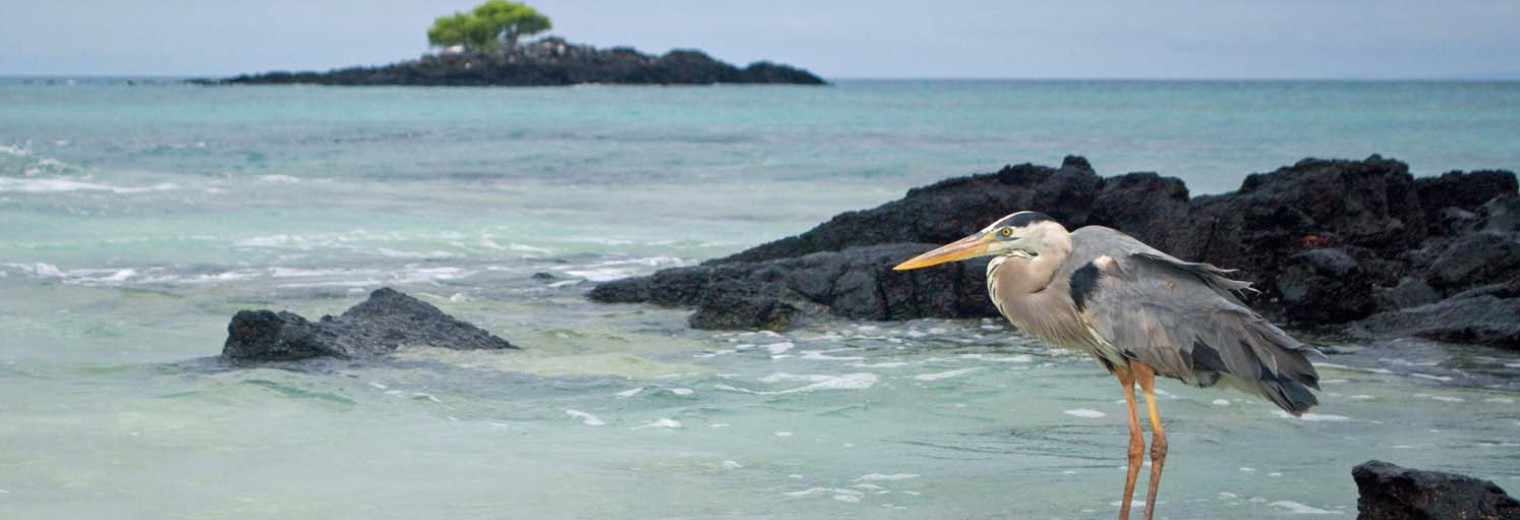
point(1184, 320)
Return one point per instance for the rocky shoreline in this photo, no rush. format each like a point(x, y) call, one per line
point(1360, 248)
point(547, 62)
point(834, 268)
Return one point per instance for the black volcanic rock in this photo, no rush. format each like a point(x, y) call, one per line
point(1501, 213)
point(731, 305)
point(1411, 291)
point(1465, 191)
point(1146, 204)
point(387, 321)
point(946, 210)
point(855, 283)
point(1389, 492)
point(1364, 206)
point(1477, 258)
point(547, 62)
point(278, 336)
point(1486, 319)
point(1324, 286)
point(1325, 241)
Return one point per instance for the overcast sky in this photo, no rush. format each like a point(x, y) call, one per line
point(836, 38)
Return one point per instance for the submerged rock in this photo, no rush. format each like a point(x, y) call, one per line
point(1324, 240)
point(387, 321)
point(1390, 492)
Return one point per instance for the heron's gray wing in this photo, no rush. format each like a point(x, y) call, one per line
point(1182, 320)
point(1093, 241)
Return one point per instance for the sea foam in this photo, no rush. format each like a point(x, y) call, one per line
point(1301, 509)
point(55, 185)
point(858, 381)
point(1314, 417)
point(945, 375)
point(586, 418)
point(1085, 413)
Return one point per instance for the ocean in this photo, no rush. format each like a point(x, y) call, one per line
point(136, 216)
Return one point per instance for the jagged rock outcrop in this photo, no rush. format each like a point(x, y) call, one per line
point(1487, 315)
point(547, 62)
point(1328, 279)
point(1389, 492)
point(1325, 241)
point(388, 320)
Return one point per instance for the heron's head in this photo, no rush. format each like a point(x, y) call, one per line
point(1026, 234)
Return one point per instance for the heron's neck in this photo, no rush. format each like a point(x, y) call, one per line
point(1025, 292)
point(1015, 275)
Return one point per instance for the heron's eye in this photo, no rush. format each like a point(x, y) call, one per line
point(1006, 232)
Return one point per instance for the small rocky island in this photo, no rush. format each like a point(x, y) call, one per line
point(481, 48)
point(548, 62)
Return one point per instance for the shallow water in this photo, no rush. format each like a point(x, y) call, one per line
point(135, 220)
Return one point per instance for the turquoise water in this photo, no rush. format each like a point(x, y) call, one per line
point(135, 219)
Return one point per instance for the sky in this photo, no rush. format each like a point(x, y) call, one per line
point(1219, 39)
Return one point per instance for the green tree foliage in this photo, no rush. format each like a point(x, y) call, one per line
point(490, 26)
point(448, 31)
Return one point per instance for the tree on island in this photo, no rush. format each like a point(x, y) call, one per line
point(489, 27)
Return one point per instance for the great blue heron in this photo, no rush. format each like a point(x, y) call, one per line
point(1140, 312)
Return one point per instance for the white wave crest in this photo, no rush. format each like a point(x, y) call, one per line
point(586, 418)
point(16, 150)
point(617, 269)
point(860, 381)
point(1296, 508)
point(1085, 413)
point(55, 185)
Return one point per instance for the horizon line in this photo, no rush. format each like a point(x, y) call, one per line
point(1348, 79)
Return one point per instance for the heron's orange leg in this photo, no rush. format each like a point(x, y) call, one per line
point(1146, 377)
point(1136, 441)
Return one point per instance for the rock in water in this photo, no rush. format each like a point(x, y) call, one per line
point(1325, 241)
point(856, 283)
point(387, 321)
point(745, 311)
point(1479, 318)
point(1390, 492)
point(278, 336)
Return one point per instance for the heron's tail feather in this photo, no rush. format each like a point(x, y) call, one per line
point(1286, 375)
point(1253, 355)
point(1291, 395)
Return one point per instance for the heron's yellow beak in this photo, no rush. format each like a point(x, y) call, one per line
point(969, 247)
